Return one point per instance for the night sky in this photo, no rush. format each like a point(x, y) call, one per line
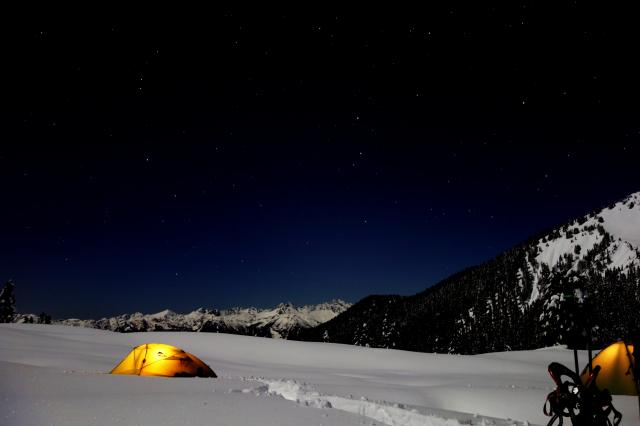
point(263, 156)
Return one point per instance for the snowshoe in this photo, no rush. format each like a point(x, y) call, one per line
point(583, 403)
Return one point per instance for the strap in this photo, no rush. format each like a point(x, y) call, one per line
point(617, 416)
point(553, 420)
point(547, 402)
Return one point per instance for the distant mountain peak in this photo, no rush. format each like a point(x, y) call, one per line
point(162, 314)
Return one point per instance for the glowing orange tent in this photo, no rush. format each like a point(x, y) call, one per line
point(157, 359)
point(616, 374)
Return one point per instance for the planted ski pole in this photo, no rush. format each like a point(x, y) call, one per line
point(589, 353)
point(636, 354)
point(574, 313)
point(586, 306)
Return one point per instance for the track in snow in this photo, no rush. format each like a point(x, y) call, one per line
point(392, 414)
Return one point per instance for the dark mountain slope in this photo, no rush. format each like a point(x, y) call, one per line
point(549, 290)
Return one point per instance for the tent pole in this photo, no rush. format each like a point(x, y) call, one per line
point(635, 369)
point(575, 361)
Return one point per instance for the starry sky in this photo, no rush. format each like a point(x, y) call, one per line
point(252, 157)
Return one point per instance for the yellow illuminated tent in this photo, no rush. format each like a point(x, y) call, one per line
point(616, 374)
point(157, 359)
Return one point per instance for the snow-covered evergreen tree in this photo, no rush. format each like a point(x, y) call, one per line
point(7, 302)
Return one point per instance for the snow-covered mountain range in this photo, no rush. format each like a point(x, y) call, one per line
point(558, 287)
point(283, 321)
point(577, 279)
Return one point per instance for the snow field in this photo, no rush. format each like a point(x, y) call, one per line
point(54, 375)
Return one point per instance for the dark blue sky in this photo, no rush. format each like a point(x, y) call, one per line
point(253, 159)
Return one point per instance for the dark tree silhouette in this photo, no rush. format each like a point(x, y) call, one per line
point(7, 302)
point(44, 318)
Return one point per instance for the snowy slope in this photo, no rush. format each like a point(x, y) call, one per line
point(619, 223)
point(54, 375)
point(623, 220)
point(283, 321)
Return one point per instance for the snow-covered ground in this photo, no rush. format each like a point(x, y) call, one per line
point(55, 375)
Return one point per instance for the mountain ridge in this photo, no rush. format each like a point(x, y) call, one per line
point(553, 288)
point(283, 321)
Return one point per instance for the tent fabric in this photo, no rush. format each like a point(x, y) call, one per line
point(616, 374)
point(158, 359)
